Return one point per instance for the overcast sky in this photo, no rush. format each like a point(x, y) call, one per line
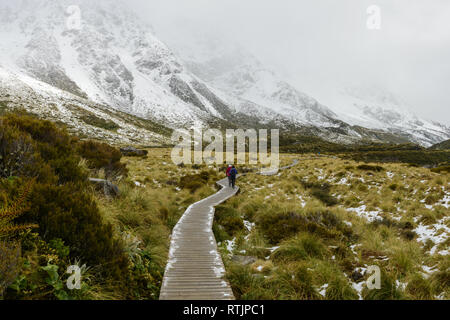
point(317, 44)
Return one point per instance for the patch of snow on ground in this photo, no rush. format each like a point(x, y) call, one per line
point(359, 288)
point(343, 181)
point(323, 289)
point(434, 233)
point(249, 225)
point(231, 244)
point(302, 201)
point(368, 215)
point(273, 248)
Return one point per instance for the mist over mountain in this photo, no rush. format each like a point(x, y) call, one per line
point(115, 59)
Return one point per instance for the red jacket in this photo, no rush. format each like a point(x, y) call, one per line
point(228, 171)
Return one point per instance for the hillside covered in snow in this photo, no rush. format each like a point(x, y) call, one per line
point(113, 59)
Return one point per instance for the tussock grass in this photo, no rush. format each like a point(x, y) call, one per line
point(333, 243)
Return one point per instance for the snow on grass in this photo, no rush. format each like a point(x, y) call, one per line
point(358, 287)
point(230, 244)
point(445, 202)
point(348, 223)
point(302, 201)
point(323, 289)
point(368, 215)
point(438, 233)
point(343, 181)
point(249, 225)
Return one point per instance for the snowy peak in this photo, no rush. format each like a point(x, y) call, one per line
point(378, 108)
point(113, 58)
point(238, 73)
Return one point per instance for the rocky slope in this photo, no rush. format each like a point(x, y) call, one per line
point(229, 67)
point(113, 59)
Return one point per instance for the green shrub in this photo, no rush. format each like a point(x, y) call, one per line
point(58, 202)
point(95, 121)
point(18, 156)
point(102, 156)
point(195, 181)
point(55, 148)
point(61, 249)
point(77, 221)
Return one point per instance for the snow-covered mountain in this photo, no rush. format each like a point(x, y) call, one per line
point(232, 70)
point(227, 66)
point(81, 116)
point(112, 60)
point(115, 59)
point(377, 108)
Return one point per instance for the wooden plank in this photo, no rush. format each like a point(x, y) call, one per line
point(195, 269)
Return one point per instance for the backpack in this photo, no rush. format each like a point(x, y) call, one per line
point(233, 172)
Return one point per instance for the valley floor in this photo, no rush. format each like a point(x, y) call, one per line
point(309, 232)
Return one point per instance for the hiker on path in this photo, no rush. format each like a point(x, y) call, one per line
point(233, 174)
point(228, 175)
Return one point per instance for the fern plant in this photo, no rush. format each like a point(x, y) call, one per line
point(12, 211)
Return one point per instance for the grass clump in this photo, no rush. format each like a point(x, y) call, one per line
point(303, 246)
point(228, 220)
point(441, 169)
point(367, 167)
point(321, 191)
point(339, 289)
point(419, 288)
point(194, 182)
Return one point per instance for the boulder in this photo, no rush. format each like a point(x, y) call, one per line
point(133, 152)
point(356, 276)
point(109, 189)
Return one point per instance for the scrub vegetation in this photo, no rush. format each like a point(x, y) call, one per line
point(307, 232)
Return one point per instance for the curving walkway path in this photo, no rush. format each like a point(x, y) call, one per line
point(195, 268)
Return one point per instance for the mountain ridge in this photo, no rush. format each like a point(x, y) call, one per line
point(116, 60)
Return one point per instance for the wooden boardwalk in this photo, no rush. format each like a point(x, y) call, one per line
point(195, 269)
